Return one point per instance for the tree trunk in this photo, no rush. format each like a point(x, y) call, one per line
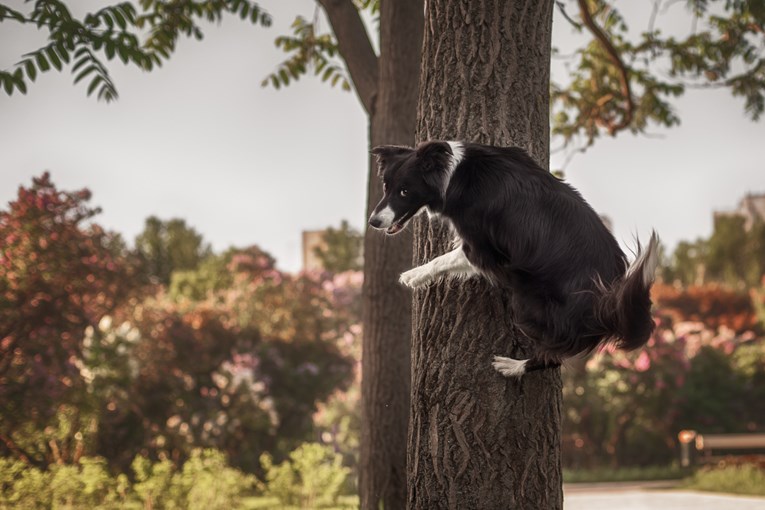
point(386, 304)
point(478, 440)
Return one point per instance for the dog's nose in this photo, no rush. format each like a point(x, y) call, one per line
point(375, 222)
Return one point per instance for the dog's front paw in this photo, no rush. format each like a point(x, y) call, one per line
point(414, 278)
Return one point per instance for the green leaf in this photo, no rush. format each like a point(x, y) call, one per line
point(106, 93)
point(7, 12)
point(284, 76)
point(42, 63)
point(128, 11)
point(80, 63)
point(62, 51)
point(91, 20)
point(93, 84)
point(7, 83)
point(123, 53)
point(119, 18)
point(85, 72)
point(31, 70)
point(18, 79)
point(55, 60)
point(109, 49)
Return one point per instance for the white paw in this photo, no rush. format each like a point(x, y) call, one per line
point(416, 277)
point(509, 367)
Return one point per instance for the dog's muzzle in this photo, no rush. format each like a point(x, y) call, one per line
point(383, 219)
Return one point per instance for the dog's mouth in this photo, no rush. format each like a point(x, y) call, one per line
point(399, 225)
point(394, 229)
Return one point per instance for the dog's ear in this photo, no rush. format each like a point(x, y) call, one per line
point(433, 155)
point(386, 153)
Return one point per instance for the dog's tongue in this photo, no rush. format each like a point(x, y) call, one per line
point(393, 228)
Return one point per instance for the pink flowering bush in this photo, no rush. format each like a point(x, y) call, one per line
point(625, 409)
point(233, 355)
point(59, 274)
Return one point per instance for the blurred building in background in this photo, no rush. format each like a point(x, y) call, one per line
point(751, 208)
point(335, 250)
point(313, 241)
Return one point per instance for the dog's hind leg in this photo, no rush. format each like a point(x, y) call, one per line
point(453, 263)
point(510, 367)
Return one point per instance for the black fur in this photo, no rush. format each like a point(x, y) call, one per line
point(523, 228)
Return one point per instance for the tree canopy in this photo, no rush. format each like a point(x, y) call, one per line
point(622, 79)
point(733, 254)
point(142, 33)
point(342, 249)
point(169, 246)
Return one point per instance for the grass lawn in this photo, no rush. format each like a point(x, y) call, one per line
point(264, 503)
point(624, 474)
point(745, 479)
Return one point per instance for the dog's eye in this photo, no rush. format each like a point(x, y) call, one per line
point(403, 192)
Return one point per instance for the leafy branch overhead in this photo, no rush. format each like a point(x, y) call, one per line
point(308, 51)
point(112, 32)
point(621, 83)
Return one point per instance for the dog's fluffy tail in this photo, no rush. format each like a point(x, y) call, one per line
point(624, 308)
point(622, 311)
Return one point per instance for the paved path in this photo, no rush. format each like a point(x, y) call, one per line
point(634, 498)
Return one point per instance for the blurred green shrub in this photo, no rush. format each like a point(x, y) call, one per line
point(209, 484)
point(311, 478)
point(86, 485)
point(22, 486)
point(205, 482)
point(154, 483)
point(743, 479)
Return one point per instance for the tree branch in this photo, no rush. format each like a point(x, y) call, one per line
point(355, 47)
point(629, 106)
point(562, 9)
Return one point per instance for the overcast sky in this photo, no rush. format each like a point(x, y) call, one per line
point(201, 140)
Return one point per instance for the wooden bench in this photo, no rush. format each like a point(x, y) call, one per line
point(708, 447)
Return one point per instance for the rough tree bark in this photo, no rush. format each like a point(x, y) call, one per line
point(478, 440)
point(387, 87)
point(387, 305)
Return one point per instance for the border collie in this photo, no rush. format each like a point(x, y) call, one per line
point(519, 226)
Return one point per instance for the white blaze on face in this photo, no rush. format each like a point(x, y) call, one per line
point(385, 217)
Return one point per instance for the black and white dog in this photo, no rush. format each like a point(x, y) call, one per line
point(520, 226)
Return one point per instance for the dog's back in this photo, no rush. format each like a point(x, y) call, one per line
point(524, 228)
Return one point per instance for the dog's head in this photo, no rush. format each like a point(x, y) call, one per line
point(412, 179)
